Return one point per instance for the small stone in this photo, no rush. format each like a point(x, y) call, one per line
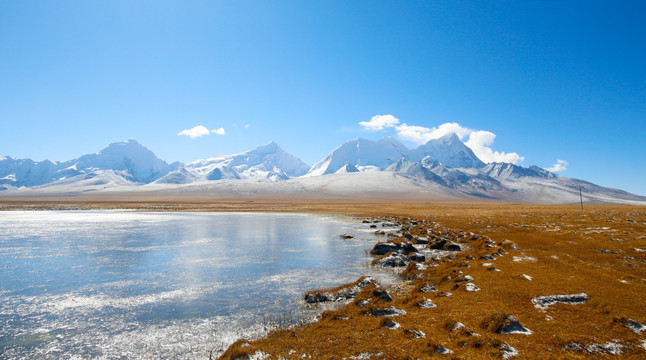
point(464, 279)
point(426, 304)
point(512, 325)
point(471, 287)
point(457, 326)
point(508, 351)
point(416, 333)
point(389, 324)
point(439, 349)
point(635, 326)
point(428, 288)
point(391, 311)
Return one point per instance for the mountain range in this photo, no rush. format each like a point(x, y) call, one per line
point(443, 168)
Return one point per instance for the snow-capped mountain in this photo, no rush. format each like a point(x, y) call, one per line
point(360, 155)
point(506, 171)
point(443, 168)
point(448, 150)
point(269, 162)
point(129, 160)
point(366, 155)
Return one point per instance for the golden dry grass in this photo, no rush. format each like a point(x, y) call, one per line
point(600, 251)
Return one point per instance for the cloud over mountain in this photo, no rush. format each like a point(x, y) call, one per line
point(478, 140)
point(561, 165)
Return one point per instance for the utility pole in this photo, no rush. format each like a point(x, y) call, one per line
point(581, 196)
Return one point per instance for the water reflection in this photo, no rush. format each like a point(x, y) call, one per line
point(113, 284)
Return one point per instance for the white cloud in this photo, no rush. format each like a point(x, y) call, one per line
point(379, 122)
point(199, 131)
point(195, 132)
point(561, 165)
point(421, 135)
point(246, 126)
point(478, 140)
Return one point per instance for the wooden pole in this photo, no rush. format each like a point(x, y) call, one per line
point(581, 196)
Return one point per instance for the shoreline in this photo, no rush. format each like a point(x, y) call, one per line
point(557, 250)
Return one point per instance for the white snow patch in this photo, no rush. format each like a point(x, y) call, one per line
point(544, 302)
point(613, 348)
point(10, 177)
point(527, 277)
point(524, 258)
point(259, 355)
point(487, 264)
point(365, 356)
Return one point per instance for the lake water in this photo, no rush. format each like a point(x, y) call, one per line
point(117, 284)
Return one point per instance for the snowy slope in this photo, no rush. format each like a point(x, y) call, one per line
point(269, 162)
point(449, 151)
point(360, 154)
point(129, 158)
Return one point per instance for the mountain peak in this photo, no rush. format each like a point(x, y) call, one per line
point(450, 151)
point(358, 153)
point(269, 148)
point(450, 137)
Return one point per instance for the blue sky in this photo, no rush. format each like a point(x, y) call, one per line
point(551, 80)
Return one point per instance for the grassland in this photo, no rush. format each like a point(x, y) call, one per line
point(542, 250)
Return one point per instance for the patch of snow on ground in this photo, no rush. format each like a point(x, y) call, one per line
point(524, 258)
point(259, 355)
point(544, 302)
point(527, 277)
point(612, 348)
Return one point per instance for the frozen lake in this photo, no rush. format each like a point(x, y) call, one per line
point(117, 284)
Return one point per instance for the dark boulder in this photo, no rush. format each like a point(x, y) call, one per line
point(418, 258)
point(393, 260)
point(382, 294)
point(385, 248)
